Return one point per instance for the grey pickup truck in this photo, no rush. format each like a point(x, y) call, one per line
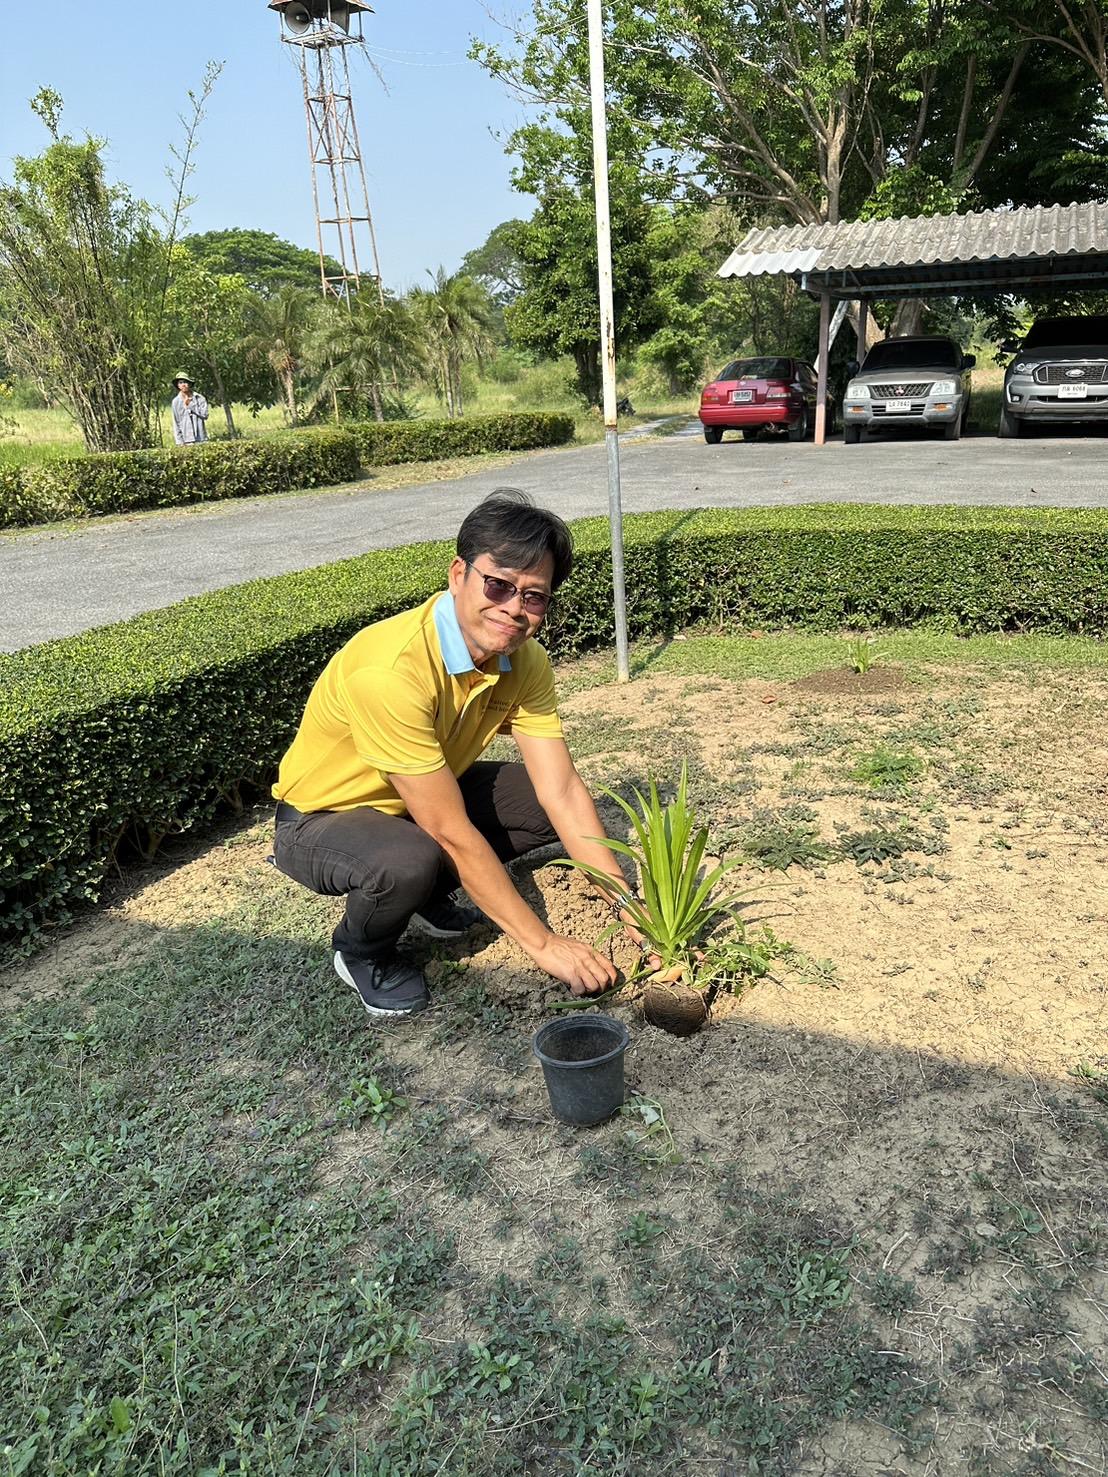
point(921, 381)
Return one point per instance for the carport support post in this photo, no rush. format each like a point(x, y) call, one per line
point(863, 325)
point(607, 325)
point(821, 368)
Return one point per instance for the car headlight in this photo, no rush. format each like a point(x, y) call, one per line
point(944, 387)
point(857, 391)
point(1023, 366)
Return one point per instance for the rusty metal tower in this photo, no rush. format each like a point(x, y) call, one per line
point(322, 31)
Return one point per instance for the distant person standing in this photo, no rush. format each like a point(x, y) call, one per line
point(190, 413)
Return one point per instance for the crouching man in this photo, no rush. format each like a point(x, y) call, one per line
point(382, 796)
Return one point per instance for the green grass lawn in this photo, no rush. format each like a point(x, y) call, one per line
point(37, 436)
point(248, 1233)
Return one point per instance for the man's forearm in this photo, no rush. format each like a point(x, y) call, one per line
point(488, 884)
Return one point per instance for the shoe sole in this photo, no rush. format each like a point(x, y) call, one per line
point(426, 926)
point(374, 1010)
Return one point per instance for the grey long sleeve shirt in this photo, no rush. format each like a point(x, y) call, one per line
point(188, 420)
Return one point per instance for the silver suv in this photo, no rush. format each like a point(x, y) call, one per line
point(909, 382)
point(1060, 373)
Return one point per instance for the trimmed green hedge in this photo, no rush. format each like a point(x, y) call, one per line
point(143, 728)
point(387, 443)
point(116, 482)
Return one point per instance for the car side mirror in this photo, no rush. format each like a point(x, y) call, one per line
point(968, 361)
point(852, 368)
point(1008, 346)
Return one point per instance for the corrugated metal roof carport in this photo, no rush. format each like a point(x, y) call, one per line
point(983, 251)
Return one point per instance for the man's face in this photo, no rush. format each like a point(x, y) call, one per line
point(184, 387)
point(489, 628)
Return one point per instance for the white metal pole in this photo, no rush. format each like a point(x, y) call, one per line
point(607, 324)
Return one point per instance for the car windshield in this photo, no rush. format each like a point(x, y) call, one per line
point(757, 369)
point(906, 353)
point(1083, 332)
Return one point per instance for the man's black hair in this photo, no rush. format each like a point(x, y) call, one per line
point(508, 526)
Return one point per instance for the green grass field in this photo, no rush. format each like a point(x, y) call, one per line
point(32, 437)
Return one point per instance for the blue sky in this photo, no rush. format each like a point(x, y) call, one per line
point(438, 177)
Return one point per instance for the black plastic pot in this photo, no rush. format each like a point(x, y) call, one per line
point(582, 1061)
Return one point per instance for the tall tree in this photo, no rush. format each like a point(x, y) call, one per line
point(209, 322)
point(265, 261)
point(496, 264)
point(362, 351)
point(796, 112)
point(83, 270)
point(278, 337)
point(458, 319)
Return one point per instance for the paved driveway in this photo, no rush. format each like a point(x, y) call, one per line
point(59, 581)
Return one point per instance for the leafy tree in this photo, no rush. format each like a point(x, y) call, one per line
point(496, 264)
point(278, 335)
point(457, 319)
point(803, 113)
point(362, 351)
point(557, 312)
point(265, 261)
point(210, 319)
point(701, 316)
point(83, 268)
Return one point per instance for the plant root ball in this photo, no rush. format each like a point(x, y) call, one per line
point(679, 1009)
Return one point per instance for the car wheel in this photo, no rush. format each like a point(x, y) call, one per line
point(1010, 425)
point(852, 435)
point(952, 431)
point(713, 435)
point(799, 431)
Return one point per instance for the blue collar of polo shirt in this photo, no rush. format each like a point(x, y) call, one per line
point(455, 652)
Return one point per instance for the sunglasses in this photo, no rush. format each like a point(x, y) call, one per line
point(535, 602)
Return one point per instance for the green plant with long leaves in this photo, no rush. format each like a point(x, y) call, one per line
point(677, 905)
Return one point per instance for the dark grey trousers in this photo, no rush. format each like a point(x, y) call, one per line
point(388, 867)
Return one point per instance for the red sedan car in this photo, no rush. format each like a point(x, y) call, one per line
point(772, 393)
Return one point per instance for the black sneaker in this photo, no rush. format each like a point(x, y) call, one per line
point(388, 987)
point(448, 917)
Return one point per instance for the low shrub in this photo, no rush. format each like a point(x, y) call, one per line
point(146, 727)
point(116, 482)
point(388, 442)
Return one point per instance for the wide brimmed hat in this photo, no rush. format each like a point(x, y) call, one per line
point(177, 378)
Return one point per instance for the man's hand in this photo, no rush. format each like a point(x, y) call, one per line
point(577, 965)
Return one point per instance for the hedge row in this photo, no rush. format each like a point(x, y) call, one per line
point(116, 482)
point(143, 728)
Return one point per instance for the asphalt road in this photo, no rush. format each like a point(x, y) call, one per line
point(58, 581)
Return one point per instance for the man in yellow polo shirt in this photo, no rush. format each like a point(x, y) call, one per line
point(382, 796)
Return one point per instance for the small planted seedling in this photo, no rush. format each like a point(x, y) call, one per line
point(677, 906)
point(861, 653)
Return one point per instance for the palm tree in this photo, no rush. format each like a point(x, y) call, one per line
point(362, 346)
point(458, 316)
point(278, 334)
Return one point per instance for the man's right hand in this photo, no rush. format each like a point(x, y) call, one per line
point(577, 965)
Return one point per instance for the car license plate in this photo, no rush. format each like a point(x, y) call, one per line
point(741, 397)
point(1073, 392)
point(897, 407)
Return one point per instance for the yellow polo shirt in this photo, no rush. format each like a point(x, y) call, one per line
point(404, 697)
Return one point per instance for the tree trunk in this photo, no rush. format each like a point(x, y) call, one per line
point(289, 388)
point(221, 397)
point(375, 398)
point(909, 316)
point(587, 359)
